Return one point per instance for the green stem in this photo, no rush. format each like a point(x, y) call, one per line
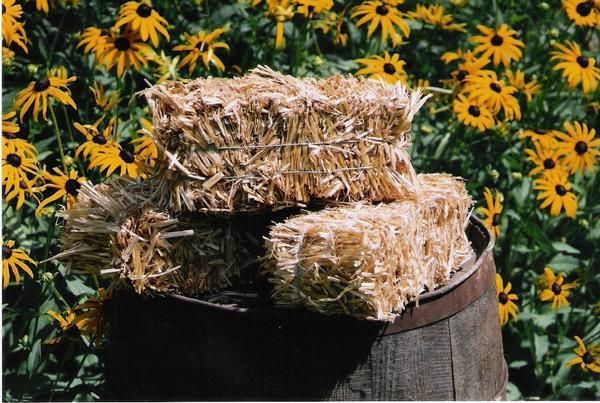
point(87, 353)
point(59, 296)
point(58, 139)
point(53, 46)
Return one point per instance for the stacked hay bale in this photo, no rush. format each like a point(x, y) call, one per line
point(234, 149)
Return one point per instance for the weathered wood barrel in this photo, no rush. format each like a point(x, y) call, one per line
point(449, 347)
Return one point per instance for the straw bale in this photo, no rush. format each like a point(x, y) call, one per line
point(268, 139)
point(117, 229)
point(369, 261)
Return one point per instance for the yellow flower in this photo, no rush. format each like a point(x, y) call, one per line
point(281, 11)
point(579, 148)
point(387, 68)
point(94, 40)
point(500, 44)
point(309, 8)
point(65, 186)
point(202, 45)
point(387, 17)
point(433, 14)
point(506, 306)
point(16, 165)
point(119, 158)
point(14, 259)
point(588, 358)
point(8, 127)
point(91, 316)
point(68, 328)
point(37, 92)
point(95, 141)
point(576, 67)
point(473, 113)
point(8, 56)
point(42, 5)
point(143, 19)
point(486, 88)
point(583, 13)
point(470, 66)
point(16, 34)
point(26, 187)
point(341, 32)
point(105, 100)
point(555, 289)
point(555, 192)
point(492, 212)
point(538, 134)
point(124, 50)
point(166, 67)
point(449, 57)
point(545, 157)
point(144, 146)
point(517, 80)
point(12, 29)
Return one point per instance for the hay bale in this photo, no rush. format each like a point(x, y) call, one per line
point(268, 139)
point(117, 229)
point(369, 261)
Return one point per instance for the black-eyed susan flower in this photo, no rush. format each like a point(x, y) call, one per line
point(281, 11)
point(576, 67)
point(12, 28)
point(579, 148)
point(517, 80)
point(64, 186)
point(538, 134)
point(167, 68)
point(434, 14)
point(583, 13)
point(105, 100)
point(42, 5)
point(93, 40)
point(14, 260)
point(16, 166)
point(202, 46)
point(451, 56)
point(120, 158)
point(388, 68)
point(310, 8)
point(144, 146)
point(9, 128)
point(340, 37)
point(142, 18)
point(588, 358)
point(67, 327)
point(545, 156)
point(554, 191)
point(16, 34)
point(473, 113)
point(124, 50)
point(492, 212)
point(470, 66)
point(555, 289)
point(91, 316)
point(501, 44)
point(386, 17)
point(35, 95)
point(485, 87)
point(26, 188)
point(506, 305)
point(94, 140)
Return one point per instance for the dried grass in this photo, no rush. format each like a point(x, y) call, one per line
point(268, 139)
point(369, 261)
point(117, 229)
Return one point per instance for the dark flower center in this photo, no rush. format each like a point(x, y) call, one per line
point(10, 136)
point(584, 9)
point(496, 87)
point(503, 298)
point(581, 147)
point(462, 74)
point(41, 85)
point(496, 220)
point(99, 139)
point(72, 187)
point(474, 111)
point(6, 252)
point(549, 163)
point(14, 160)
point(556, 289)
point(382, 10)
point(540, 131)
point(560, 190)
point(587, 358)
point(3, 9)
point(497, 40)
point(343, 28)
point(144, 11)
point(122, 43)
point(389, 68)
point(127, 156)
point(583, 61)
point(201, 45)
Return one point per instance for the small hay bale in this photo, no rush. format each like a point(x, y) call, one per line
point(369, 261)
point(116, 229)
point(272, 140)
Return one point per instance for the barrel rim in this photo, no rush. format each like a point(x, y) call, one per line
point(416, 309)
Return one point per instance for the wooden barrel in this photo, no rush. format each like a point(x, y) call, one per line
point(177, 348)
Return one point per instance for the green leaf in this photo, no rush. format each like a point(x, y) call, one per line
point(77, 287)
point(35, 357)
point(513, 392)
point(541, 344)
point(565, 247)
point(566, 263)
point(518, 364)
